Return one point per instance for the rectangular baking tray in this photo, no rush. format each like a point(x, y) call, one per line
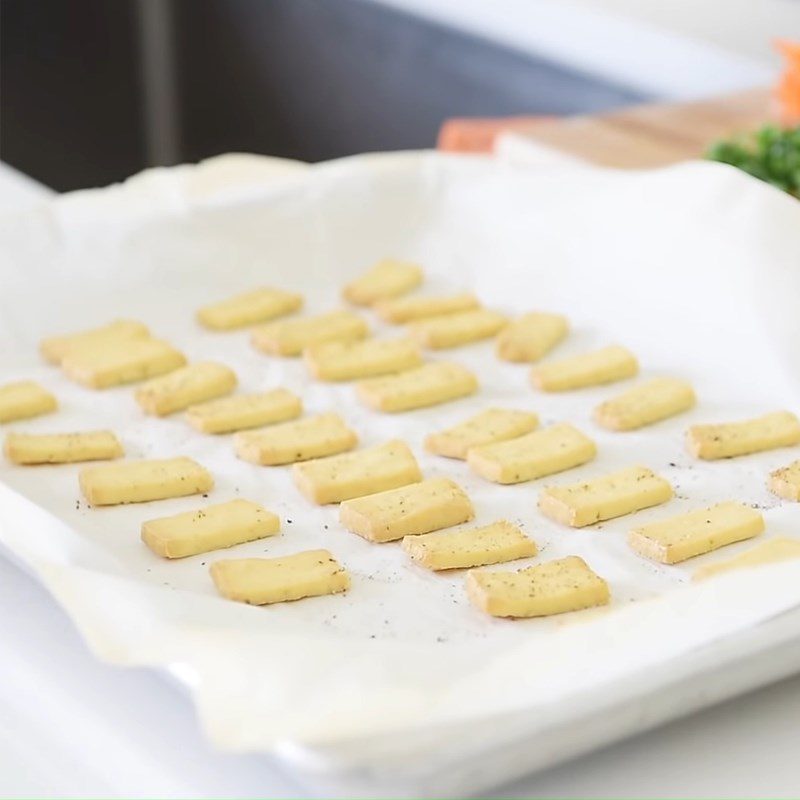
point(574, 240)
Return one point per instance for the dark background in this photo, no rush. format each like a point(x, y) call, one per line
point(94, 90)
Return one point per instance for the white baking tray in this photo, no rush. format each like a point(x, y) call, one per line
point(401, 683)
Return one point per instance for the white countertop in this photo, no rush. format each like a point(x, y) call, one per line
point(71, 726)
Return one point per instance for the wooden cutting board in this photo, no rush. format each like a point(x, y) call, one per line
point(654, 135)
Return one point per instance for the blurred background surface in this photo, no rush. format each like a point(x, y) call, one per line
point(93, 90)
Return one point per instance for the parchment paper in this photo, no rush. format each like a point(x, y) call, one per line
point(696, 268)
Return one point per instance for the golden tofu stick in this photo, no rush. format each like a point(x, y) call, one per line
point(249, 308)
point(589, 369)
point(244, 411)
point(545, 452)
point(57, 348)
point(24, 400)
point(312, 437)
point(410, 510)
point(346, 361)
point(342, 477)
point(290, 337)
point(475, 547)
point(102, 366)
point(205, 380)
point(492, 425)
point(785, 482)
point(388, 278)
point(454, 330)
point(260, 581)
point(408, 309)
point(142, 481)
point(645, 404)
point(61, 448)
point(709, 442)
point(428, 385)
point(210, 528)
point(531, 336)
point(687, 535)
point(610, 496)
point(567, 584)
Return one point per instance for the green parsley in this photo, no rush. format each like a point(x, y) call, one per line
point(771, 154)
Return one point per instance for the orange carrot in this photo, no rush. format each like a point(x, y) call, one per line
point(788, 88)
point(790, 51)
point(478, 134)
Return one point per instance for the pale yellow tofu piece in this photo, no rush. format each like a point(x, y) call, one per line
point(290, 337)
point(342, 477)
point(454, 330)
point(428, 385)
point(142, 481)
point(56, 348)
point(388, 278)
point(25, 400)
point(645, 404)
point(610, 496)
point(475, 547)
point(100, 366)
point(346, 361)
point(687, 535)
point(250, 308)
point(184, 387)
point(243, 411)
point(260, 581)
point(408, 511)
point(554, 449)
point(709, 442)
point(531, 336)
point(408, 309)
point(607, 365)
point(210, 528)
point(492, 425)
point(61, 448)
point(567, 584)
point(311, 437)
point(785, 482)
point(769, 552)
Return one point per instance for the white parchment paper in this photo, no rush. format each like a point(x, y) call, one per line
point(696, 268)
